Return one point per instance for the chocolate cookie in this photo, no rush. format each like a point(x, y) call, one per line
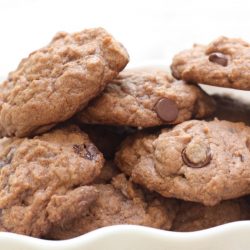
point(57, 81)
point(145, 99)
point(120, 203)
point(42, 180)
point(196, 161)
point(224, 62)
point(231, 109)
point(194, 216)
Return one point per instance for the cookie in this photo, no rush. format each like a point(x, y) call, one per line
point(225, 63)
point(147, 98)
point(197, 161)
point(120, 203)
point(107, 138)
point(43, 180)
point(108, 171)
point(231, 109)
point(194, 216)
point(57, 81)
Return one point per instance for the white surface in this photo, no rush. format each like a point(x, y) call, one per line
point(233, 236)
point(150, 29)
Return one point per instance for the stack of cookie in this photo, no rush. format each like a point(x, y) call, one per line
point(86, 144)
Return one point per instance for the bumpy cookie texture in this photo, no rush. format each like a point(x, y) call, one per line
point(147, 98)
point(196, 161)
point(108, 171)
point(57, 81)
point(43, 180)
point(231, 109)
point(194, 216)
point(120, 202)
point(224, 62)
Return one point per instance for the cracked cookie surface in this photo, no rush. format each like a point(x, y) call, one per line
point(225, 62)
point(197, 161)
point(148, 98)
point(43, 180)
point(57, 81)
point(120, 202)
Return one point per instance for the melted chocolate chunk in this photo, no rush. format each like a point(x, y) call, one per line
point(88, 151)
point(218, 58)
point(167, 109)
point(200, 164)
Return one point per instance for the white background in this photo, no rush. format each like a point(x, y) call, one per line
point(149, 29)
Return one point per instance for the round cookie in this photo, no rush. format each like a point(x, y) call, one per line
point(43, 180)
point(231, 109)
point(194, 216)
point(147, 98)
point(57, 81)
point(224, 62)
point(120, 202)
point(197, 161)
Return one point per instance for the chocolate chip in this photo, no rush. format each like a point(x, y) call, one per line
point(167, 109)
point(78, 149)
point(196, 155)
point(88, 151)
point(218, 58)
point(91, 152)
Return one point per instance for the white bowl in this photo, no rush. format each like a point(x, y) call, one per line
point(231, 236)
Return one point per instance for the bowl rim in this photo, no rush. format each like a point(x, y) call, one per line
point(132, 232)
